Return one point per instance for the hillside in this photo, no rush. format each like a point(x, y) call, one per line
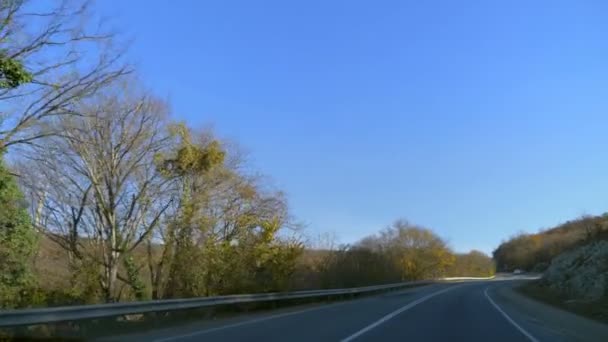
point(580, 273)
point(573, 257)
point(577, 281)
point(534, 252)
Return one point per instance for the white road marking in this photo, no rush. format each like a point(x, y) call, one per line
point(257, 320)
point(468, 278)
point(396, 312)
point(509, 319)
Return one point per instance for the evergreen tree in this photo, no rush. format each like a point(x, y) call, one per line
point(17, 243)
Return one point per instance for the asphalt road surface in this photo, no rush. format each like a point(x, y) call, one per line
point(465, 311)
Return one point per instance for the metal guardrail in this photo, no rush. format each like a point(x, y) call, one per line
point(80, 312)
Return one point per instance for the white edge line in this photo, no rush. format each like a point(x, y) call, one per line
point(468, 278)
point(395, 313)
point(252, 321)
point(509, 319)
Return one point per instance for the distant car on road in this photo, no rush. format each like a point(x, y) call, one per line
point(518, 271)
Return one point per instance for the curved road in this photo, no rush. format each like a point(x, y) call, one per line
point(466, 311)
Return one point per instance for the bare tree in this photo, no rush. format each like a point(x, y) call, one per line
point(101, 194)
point(223, 227)
point(63, 56)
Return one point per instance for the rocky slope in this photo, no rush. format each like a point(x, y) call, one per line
point(580, 274)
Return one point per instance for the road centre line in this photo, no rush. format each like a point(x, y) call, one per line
point(397, 312)
point(252, 321)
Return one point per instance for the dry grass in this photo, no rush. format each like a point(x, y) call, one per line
point(597, 310)
point(50, 265)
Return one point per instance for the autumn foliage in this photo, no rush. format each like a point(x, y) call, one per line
point(534, 252)
point(400, 252)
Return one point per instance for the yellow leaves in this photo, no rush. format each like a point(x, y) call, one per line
point(247, 191)
point(214, 154)
point(245, 220)
point(409, 266)
point(193, 159)
point(536, 240)
point(472, 264)
point(181, 130)
point(189, 157)
point(269, 229)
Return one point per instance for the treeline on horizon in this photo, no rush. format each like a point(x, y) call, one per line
point(534, 252)
point(106, 198)
point(399, 252)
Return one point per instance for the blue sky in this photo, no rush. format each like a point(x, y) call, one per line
point(478, 119)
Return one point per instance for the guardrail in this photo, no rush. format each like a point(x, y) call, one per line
point(79, 312)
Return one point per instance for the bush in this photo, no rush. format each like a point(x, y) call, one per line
point(18, 242)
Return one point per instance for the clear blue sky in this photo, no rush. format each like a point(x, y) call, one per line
point(476, 119)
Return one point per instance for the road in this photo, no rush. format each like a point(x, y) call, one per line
point(464, 311)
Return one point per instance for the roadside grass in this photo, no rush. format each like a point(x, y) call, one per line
point(596, 310)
